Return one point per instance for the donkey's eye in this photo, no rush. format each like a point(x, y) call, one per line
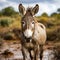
point(32, 22)
point(23, 23)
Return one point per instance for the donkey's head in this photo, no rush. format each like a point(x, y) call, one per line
point(28, 22)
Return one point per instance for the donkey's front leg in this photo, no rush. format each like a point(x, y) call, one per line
point(25, 54)
point(32, 54)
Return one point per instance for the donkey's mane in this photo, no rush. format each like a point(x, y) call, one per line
point(29, 11)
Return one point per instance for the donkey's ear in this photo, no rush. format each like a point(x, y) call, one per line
point(35, 9)
point(21, 9)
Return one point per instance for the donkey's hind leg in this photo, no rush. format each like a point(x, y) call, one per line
point(41, 51)
point(37, 53)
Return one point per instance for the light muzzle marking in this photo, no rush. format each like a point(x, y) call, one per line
point(28, 33)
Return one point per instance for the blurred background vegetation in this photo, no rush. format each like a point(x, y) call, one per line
point(10, 19)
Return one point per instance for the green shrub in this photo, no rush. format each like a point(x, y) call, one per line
point(53, 33)
point(5, 22)
point(8, 37)
point(8, 11)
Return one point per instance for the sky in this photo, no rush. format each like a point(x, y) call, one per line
point(48, 6)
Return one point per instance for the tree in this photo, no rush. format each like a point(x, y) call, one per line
point(8, 11)
point(58, 10)
point(44, 14)
point(54, 14)
point(0, 13)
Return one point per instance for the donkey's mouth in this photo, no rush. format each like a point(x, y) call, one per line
point(28, 39)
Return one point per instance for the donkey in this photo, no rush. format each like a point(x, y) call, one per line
point(33, 33)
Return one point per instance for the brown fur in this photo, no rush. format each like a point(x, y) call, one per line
point(39, 34)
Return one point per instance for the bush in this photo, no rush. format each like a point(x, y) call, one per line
point(1, 13)
point(53, 34)
point(5, 22)
point(8, 11)
point(8, 37)
point(44, 14)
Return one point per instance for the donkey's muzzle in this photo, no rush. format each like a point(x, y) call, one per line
point(28, 33)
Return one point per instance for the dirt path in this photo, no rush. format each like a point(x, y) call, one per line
point(11, 50)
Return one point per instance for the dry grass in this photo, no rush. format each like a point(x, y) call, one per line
point(51, 32)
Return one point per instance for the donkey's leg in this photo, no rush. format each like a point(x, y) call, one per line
point(25, 54)
point(32, 55)
point(41, 51)
point(37, 53)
